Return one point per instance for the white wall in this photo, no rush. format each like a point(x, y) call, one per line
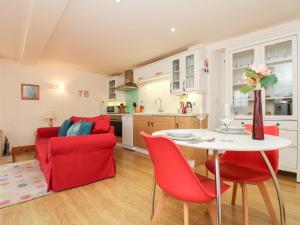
point(170, 102)
point(20, 118)
point(217, 87)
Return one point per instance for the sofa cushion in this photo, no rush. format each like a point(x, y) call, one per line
point(64, 128)
point(74, 130)
point(86, 128)
point(101, 123)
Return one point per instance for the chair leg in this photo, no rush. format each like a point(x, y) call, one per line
point(245, 203)
point(160, 204)
point(266, 197)
point(186, 213)
point(212, 211)
point(234, 190)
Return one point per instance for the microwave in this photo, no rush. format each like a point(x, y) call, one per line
point(113, 109)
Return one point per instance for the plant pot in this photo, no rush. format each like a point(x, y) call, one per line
point(258, 123)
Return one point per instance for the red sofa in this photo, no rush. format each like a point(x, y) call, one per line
point(73, 161)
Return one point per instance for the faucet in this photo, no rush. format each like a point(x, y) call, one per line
point(160, 109)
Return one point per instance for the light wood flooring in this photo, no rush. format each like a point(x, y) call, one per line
point(125, 200)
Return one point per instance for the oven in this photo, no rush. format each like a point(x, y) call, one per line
point(116, 122)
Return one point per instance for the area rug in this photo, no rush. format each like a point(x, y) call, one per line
point(20, 182)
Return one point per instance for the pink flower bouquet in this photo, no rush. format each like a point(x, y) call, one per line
point(258, 76)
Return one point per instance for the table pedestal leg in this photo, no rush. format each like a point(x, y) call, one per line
point(278, 190)
point(153, 197)
point(218, 188)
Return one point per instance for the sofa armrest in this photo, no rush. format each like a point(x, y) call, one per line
point(112, 130)
point(80, 144)
point(47, 132)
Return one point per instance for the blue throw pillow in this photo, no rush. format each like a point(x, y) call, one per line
point(64, 128)
point(74, 130)
point(86, 128)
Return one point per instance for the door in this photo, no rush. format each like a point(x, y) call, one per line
point(281, 58)
point(239, 61)
point(162, 123)
point(176, 81)
point(111, 89)
point(196, 156)
point(140, 123)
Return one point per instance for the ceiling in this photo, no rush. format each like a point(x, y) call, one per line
point(106, 37)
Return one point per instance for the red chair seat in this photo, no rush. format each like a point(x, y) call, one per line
point(236, 173)
point(210, 185)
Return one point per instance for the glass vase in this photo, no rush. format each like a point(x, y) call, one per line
point(258, 123)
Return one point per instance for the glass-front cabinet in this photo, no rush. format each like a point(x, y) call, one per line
point(279, 101)
point(241, 60)
point(175, 81)
point(188, 72)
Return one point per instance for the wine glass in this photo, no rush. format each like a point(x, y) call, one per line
point(226, 119)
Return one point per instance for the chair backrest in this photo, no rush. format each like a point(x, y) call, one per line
point(172, 171)
point(254, 159)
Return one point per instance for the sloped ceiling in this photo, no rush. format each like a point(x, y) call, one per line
point(106, 37)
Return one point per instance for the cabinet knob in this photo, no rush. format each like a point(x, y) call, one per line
point(277, 124)
point(243, 123)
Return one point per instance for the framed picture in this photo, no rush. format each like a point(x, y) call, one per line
point(30, 92)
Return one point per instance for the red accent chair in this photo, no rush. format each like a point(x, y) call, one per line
point(175, 178)
point(249, 168)
point(73, 161)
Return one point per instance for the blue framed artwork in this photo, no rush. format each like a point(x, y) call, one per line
point(30, 92)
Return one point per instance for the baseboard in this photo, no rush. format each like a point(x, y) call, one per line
point(141, 150)
point(22, 149)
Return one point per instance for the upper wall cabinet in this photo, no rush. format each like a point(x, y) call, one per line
point(151, 70)
point(279, 101)
point(114, 82)
point(188, 72)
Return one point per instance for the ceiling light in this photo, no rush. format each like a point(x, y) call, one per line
point(117, 1)
point(173, 29)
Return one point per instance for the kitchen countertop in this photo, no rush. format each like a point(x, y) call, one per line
point(151, 114)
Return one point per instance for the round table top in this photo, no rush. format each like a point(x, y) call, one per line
point(238, 142)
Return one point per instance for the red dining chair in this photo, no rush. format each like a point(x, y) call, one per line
point(176, 179)
point(249, 168)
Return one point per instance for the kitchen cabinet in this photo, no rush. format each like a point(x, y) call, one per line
point(197, 156)
point(114, 82)
point(188, 72)
point(141, 123)
point(280, 103)
point(111, 89)
point(150, 124)
point(151, 70)
point(162, 123)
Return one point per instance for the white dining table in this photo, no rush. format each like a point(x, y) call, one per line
point(231, 142)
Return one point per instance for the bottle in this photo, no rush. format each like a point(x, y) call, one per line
point(6, 147)
point(142, 107)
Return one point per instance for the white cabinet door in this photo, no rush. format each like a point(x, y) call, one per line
point(154, 69)
point(239, 61)
point(281, 57)
point(177, 79)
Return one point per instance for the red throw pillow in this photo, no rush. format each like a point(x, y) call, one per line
point(101, 123)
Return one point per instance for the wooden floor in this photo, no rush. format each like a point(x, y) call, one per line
point(125, 200)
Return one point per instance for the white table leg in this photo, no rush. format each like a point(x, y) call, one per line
point(278, 190)
point(153, 197)
point(218, 188)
